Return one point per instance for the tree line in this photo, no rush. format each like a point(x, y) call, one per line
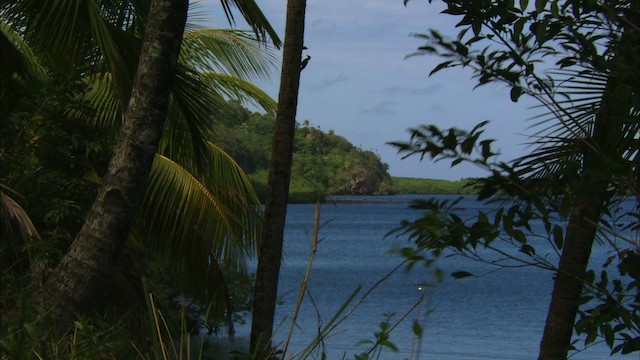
point(323, 162)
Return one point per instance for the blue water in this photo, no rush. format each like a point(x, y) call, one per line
point(499, 315)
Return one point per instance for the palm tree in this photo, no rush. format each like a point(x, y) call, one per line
point(587, 151)
point(270, 252)
point(188, 162)
point(607, 156)
point(71, 287)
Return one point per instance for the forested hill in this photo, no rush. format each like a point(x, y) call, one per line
point(323, 163)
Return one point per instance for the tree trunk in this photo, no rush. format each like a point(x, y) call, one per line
point(567, 287)
point(270, 250)
point(607, 143)
point(90, 259)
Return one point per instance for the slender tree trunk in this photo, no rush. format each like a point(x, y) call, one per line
point(567, 287)
point(90, 259)
point(607, 143)
point(270, 251)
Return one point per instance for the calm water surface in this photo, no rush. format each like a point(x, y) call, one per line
point(499, 315)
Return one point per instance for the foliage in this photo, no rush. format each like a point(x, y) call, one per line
point(323, 163)
point(64, 84)
point(505, 226)
point(404, 185)
point(95, 335)
point(48, 161)
point(578, 59)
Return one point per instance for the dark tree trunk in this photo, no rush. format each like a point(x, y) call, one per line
point(607, 143)
point(270, 250)
point(567, 287)
point(90, 259)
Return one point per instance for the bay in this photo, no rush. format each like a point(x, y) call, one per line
point(499, 314)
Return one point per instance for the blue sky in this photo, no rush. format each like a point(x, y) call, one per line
point(359, 83)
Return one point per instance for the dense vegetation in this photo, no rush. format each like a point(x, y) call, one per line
point(323, 163)
point(405, 185)
point(65, 89)
point(65, 82)
point(584, 158)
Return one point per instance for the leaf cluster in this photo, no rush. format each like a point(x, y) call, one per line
point(518, 214)
point(515, 42)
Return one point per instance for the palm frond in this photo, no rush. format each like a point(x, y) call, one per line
point(231, 87)
point(208, 283)
point(254, 17)
point(102, 97)
point(566, 127)
point(196, 101)
point(79, 35)
point(228, 51)
point(17, 56)
point(120, 65)
point(566, 124)
point(193, 218)
point(18, 232)
point(193, 105)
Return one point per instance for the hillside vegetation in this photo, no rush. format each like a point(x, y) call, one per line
point(324, 163)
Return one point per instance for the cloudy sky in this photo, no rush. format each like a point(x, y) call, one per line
point(360, 84)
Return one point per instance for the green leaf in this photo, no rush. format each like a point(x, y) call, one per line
point(554, 8)
point(364, 342)
point(486, 149)
point(477, 27)
point(608, 333)
point(528, 249)
point(417, 329)
point(440, 67)
point(467, 145)
point(589, 276)
point(516, 91)
point(389, 345)
point(524, 4)
point(540, 5)
point(558, 236)
point(437, 274)
point(539, 30)
point(517, 29)
point(519, 236)
point(461, 274)
point(630, 346)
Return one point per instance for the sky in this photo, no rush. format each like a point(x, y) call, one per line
point(361, 84)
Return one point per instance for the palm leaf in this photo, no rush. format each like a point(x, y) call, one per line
point(254, 17)
point(567, 126)
point(196, 101)
point(193, 218)
point(101, 96)
point(18, 232)
point(119, 63)
point(17, 56)
point(193, 105)
point(231, 87)
point(80, 35)
point(20, 68)
point(229, 51)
